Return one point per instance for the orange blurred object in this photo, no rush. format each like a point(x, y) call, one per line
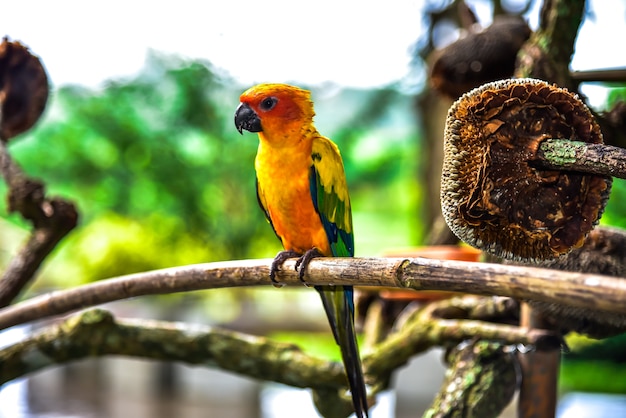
point(440, 252)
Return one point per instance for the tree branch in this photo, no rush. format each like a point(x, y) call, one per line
point(52, 220)
point(603, 75)
point(425, 330)
point(96, 333)
point(547, 54)
point(566, 288)
point(480, 381)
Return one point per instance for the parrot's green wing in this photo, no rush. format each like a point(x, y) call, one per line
point(329, 192)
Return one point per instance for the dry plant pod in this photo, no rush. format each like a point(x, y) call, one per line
point(480, 57)
point(494, 195)
point(23, 89)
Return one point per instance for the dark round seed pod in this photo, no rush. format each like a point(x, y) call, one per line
point(480, 57)
point(494, 194)
point(23, 89)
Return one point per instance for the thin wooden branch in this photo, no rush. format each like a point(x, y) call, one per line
point(566, 288)
point(603, 75)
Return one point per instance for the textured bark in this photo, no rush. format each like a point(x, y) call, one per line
point(480, 381)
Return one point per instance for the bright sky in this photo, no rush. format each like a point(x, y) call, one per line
point(326, 40)
point(354, 43)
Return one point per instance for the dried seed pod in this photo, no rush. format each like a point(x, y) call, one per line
point(23, 89)
point(494, 195)
point(479, 57)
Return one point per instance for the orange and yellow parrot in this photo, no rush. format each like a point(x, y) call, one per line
point(301, 187)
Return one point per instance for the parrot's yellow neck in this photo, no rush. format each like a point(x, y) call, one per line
point(287, 134)
point(284, 155)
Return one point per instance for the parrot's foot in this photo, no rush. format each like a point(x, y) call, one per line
point(303, 262)
point(280, 258)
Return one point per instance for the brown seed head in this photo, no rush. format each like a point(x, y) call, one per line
point(493, 195)
point(23, 89)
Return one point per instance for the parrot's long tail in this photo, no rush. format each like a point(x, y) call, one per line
point(339, 306)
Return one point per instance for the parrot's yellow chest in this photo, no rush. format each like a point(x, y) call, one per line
point(285, 194)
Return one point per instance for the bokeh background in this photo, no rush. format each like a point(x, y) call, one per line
point(139, 133)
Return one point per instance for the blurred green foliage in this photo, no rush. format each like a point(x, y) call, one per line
point(616, 207)
point(590, 362)
point(320, 344)
point(598, 376)
point(162, 178)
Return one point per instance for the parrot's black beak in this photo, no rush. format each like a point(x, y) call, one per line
point(246, 118)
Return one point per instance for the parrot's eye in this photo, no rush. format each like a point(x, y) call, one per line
point(268, 103)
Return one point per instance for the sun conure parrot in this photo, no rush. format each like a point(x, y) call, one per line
point(301, 187)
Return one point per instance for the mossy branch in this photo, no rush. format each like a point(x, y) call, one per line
point(563, 154)
point(480, 381)
point(96, 333)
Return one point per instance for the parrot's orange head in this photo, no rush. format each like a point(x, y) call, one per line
point(275, 110)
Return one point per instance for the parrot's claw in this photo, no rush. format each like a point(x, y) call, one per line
point(304, 260)
point(280, 258)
